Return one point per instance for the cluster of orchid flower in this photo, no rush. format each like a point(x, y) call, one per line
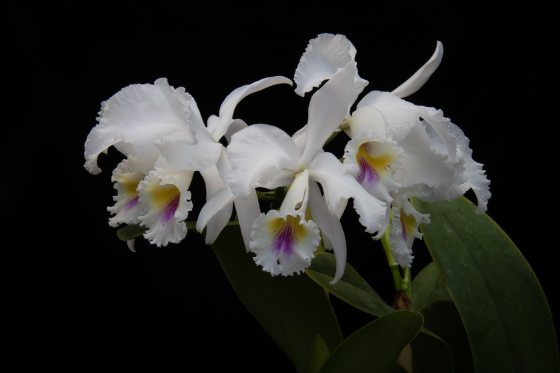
point(396, 151)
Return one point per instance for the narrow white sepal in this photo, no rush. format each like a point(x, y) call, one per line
point(232, 100)
point(420, 77)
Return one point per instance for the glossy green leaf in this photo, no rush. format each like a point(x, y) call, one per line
point(376, 346)
point(503, 307)
point(318, 354)
point(292, 310)
point(352, 288)
point(130, 232)
point(427, 287)
point(442, 318)
point(430, 354)
point(399, 369)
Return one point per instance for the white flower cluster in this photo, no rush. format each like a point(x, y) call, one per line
point(396, 151)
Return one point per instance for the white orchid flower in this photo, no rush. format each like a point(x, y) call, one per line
point(145, 122)
point(220, 200)
point(160, 129)
point(398, 150)
point(285, 240)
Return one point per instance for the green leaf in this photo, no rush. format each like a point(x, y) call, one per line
point(503, 307)
point(427, 287)
point(399, 369)
point(292, 310)
point(443, 319)
point(130, 232)
point(376, 346)
point(430, 354)
point(318, 354)
point(352, 288)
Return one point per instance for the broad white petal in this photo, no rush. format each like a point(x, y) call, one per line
point(331, 228)
point(261, 156)
point(295, 201)
point(368, 119)
point(323, 57)
point(299, 138)
point(135, 118)
point(284, 244)
point(247, 208)
point(328, 107)
point(166, 195)
point(217, 224)
point(404, 229)
point(420, 77)
point(338, 187)
point(183, 154)
point(232, 100)
point(127, 208)
point(400, 116)
point(216, 213)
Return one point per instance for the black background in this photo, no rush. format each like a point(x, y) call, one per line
point(83, 302)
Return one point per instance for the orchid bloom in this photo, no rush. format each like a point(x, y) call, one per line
point(217, 211)
point(398, 150)
point(160, 130)
point(285, 240)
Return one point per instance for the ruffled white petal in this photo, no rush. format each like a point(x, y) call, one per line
point(331, 228)
point(424, 164)
point(442, 126)
point(328, 107)
point(284, 244)
point(402, 116)
point(232, 100)
point(323, 57)
point(473, 173)
point(338, 187)
point(165, 193)
point(135, 118)
point(404, 229)
point(420, 77)
point(127, 208)
point(261, 156)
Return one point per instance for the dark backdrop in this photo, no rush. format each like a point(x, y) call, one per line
point(83, 302)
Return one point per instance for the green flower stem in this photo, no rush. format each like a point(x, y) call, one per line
point(393, 265)
point(268, 195)
point(406, 281)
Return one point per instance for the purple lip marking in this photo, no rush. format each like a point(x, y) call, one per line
point(404, 231)
point(131, 203)
point(284, 242)
point(169, 210)
point(367, 174)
